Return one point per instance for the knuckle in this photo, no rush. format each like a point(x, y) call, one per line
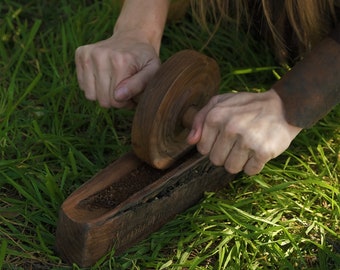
point(98, 54)
point(214, 100)
point(236, 127)
point(79, 51)
point(80, 57)
point(242, 145)
point(214, 117)
point(121, 58)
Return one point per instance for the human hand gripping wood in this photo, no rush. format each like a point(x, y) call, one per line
point(242, 131)
point(114, 70)
point(167, 107)
point(128, 200)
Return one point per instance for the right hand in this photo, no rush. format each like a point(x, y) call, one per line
point(115, 70)
point(242, 131)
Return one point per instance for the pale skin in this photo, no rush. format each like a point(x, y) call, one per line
point(240, 131)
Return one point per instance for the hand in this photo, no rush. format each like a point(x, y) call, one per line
point(115, 70)
point(242, 131)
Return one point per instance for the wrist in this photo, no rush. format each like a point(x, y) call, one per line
point(312, 87)
point(143, 20)
point(139, 36)
point(279, 102)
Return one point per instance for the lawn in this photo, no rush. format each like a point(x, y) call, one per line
point(52, 140)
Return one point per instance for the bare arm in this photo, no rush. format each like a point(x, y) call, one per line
point(243, 131)
point(144, 19)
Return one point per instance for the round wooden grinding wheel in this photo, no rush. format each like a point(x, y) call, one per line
point(165, 111)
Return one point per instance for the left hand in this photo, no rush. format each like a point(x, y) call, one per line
point(242, 131)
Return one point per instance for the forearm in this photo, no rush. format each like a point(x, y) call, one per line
point(144, 20)
point(312, 88)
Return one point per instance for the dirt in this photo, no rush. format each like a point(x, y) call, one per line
point(118, 192)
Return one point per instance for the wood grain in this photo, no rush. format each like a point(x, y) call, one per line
point(84, 235)
point(185, 82)
point(128, 200)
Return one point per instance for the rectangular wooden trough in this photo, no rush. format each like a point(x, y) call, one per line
point(127, 201)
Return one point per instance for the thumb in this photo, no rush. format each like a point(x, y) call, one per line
point(195, 133)
point(197, 126)
point(135, 84)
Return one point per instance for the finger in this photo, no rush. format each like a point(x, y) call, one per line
point(89, 85)
point(128, 104)
point(132, 86)
point(86, 77)
point(104, 78)
point(85, 74)
point(237, 158)
point(197, 126)
point(208, 138)
point(253, 166)
point(194, 136)
point(102, 86)
point(195, 133)
point(221, 149)
point(79, 68)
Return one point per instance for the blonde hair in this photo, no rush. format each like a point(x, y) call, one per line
point(291, 26)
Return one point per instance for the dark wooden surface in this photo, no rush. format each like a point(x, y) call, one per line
point(130, 199)
point(85, 234)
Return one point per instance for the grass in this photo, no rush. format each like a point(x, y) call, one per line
point(52, 140)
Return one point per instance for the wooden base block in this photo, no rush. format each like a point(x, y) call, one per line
point(127, 201)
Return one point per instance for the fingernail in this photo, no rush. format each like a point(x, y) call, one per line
point(121, 93)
